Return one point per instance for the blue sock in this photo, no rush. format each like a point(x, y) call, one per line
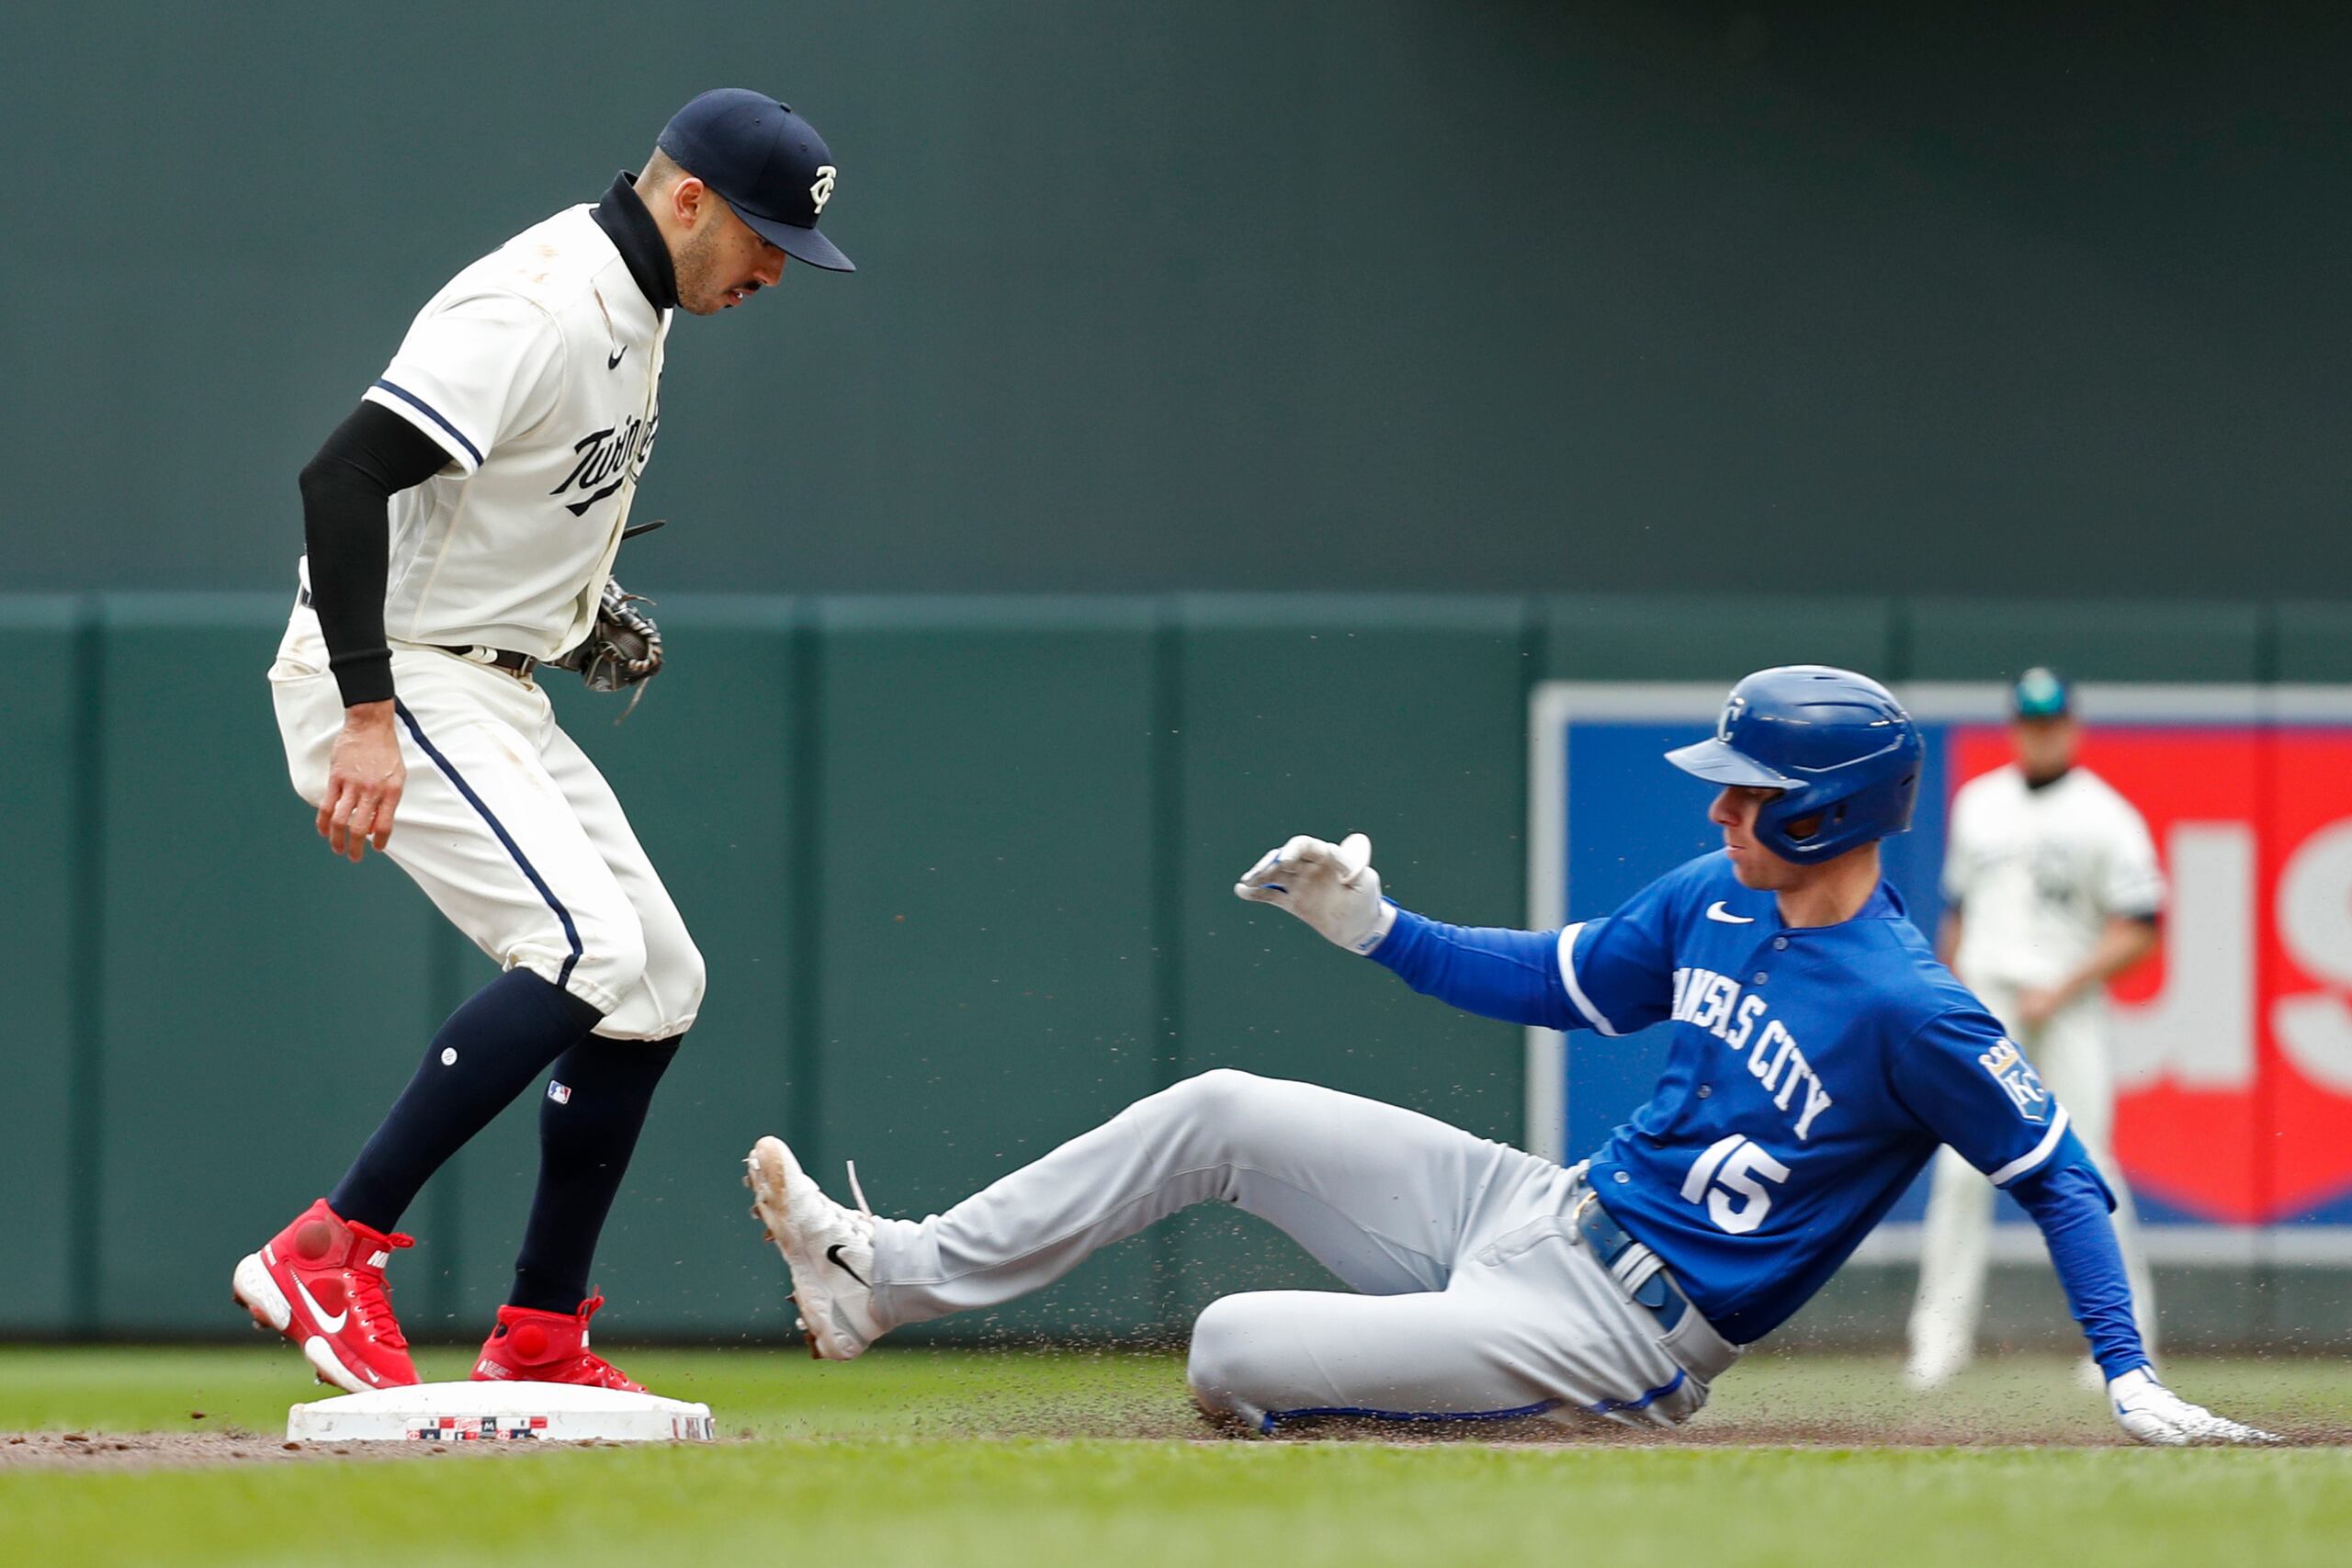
point(589, 1121)
point(486, 1055)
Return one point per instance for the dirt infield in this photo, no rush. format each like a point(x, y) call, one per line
point(1769, 1434)
point(159, 1450)
point(162, 1450)
point(170, 1409)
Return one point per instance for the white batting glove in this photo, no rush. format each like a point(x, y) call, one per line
point(1330, 886)
point(2153, 1414)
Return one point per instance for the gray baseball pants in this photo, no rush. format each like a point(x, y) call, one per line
point(1479, 1300)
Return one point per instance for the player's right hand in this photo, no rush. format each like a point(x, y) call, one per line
point(2153, 1414)
point(1330, 886)
point(364, 777)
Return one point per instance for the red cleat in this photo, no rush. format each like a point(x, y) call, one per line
point(321, 1283)
point(530, 1346)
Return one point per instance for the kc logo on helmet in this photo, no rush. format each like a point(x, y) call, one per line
point(1731, 710)
point(823, 191)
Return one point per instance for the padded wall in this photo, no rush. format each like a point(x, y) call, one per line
point(961, 869)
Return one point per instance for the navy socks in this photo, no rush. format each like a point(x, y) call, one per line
point(589, 1119)
point(487, 1052)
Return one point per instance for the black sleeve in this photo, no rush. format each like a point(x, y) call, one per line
point(347, 529)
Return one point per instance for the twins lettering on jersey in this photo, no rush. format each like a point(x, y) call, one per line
point(604, 460)
point(1716, 1003)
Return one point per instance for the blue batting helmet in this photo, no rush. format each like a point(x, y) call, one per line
point(1836, 744)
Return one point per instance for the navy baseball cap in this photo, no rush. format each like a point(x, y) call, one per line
point(769, 163)
point(2042, 692)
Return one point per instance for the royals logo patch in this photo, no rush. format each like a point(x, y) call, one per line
point(2017, 1080)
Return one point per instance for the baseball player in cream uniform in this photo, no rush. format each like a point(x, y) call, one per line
point(2053, 889)
point(461, 528)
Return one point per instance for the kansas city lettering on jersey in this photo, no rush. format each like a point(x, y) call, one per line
point(1716, 1003)
point(604, 459)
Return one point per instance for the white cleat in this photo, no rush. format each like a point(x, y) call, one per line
point(829, 1248)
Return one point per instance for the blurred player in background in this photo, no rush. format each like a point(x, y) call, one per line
point(2052, 889)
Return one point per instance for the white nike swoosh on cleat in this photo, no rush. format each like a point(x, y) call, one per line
point(311, 1302)
point(1716, 911)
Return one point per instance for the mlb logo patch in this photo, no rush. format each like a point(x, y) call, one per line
point(2018, 1080)
point(560, 1092)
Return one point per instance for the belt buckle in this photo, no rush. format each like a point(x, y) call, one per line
point(496, 659)
point(1657, 1295)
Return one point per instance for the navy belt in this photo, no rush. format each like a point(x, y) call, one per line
point(1658, 1296)
point(507, 659)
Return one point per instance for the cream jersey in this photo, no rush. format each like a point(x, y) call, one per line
point(2037, 873)
point(538, 369)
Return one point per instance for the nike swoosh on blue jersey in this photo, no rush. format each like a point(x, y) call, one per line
point(1716, 911)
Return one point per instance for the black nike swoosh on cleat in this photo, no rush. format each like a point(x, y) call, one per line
point(834, 1256)
point(614, 363)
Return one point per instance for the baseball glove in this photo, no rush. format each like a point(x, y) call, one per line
point(624, 651)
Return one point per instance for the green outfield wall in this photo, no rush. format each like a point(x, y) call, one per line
point(1376, 295)
point(961, 867)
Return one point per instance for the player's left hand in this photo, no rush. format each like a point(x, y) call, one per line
point(623, 650)
point(2037, 1007)
point(1330, 886)
point(2153, 1414)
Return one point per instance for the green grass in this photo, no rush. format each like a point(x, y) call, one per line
point(977, 1459)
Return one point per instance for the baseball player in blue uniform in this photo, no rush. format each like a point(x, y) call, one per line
point(1820, 1056)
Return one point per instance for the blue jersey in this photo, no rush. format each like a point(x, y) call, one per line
point(1814, 1071)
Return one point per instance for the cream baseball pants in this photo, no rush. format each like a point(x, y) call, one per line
point(509, 828)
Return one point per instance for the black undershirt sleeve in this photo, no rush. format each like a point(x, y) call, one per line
point(347, 528)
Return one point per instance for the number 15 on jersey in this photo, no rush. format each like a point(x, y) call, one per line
point(1728, 1178)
